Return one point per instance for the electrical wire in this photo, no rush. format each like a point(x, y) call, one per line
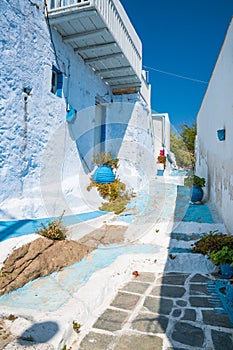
point(176, 75)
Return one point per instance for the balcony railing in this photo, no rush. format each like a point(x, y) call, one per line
point(120, 49)
point(146, 88)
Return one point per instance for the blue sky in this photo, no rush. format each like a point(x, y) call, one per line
point(182, 37)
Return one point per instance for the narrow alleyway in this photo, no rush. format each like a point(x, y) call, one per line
point(182, 307)
point(176, 302)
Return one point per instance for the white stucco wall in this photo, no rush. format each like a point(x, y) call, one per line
point(214, 159)
point(41, 164)
point(129, 120)
point(161, 134)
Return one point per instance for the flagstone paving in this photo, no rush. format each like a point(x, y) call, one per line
point(178, 310)
point(154, 312)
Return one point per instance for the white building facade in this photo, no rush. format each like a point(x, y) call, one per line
point(214, 145)
point(72, 85)
point(161, 132)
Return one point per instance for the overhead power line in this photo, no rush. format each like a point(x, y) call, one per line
point(176, 75)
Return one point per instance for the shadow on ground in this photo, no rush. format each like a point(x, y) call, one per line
point(38, 333)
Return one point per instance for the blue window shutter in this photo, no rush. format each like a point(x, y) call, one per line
point(59, 84)
point(59, 80)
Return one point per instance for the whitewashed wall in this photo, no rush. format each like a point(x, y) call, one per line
point(161, 134)
point(214, 158)
point(40, 163)
point(129, 119)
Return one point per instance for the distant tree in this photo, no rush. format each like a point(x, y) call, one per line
point(188, 135)
point(183, 146)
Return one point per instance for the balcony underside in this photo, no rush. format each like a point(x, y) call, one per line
point(85, 30)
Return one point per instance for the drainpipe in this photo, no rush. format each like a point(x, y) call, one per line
point(26, 94)
point(163, 131)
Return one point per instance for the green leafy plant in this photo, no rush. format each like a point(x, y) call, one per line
point(115, 192)
point(222, 256)
point(76, 326)
point(117, 206)
point(184, 158)
point(106, 159)
point(194, 180)
point(55, 230)
point(212, 242)
point(117, 195)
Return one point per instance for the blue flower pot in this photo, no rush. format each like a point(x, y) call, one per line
point(226, 270)
point(221, 134)
point(160, 172)
point(229, 295)
point(196, 194)
point(103, 175)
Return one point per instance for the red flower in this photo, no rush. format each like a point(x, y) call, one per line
point(135, 273)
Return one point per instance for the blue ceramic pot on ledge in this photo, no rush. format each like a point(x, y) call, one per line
point(103, 175)
point(229, 296)
point(226, 270)
point(196, 194)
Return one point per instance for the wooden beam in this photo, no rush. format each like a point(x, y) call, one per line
point(120, 77)
point(95, 46)
point(103, 57)
point(126, 90)
point(112, 70)
point(84, 35)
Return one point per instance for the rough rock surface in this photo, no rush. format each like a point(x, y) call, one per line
point(38, 258)
point(5, 335)
point(106, 234)
point(45, 256)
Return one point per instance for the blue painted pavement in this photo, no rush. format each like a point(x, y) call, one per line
point(16, 228)
point(51, 292)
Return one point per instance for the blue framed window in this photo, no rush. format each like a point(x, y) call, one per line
point(56, 82)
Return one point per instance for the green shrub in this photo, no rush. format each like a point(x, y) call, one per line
point(76, 326)
point(117, 206)
point(212, 241)
point(223, 256)
point(115, 193)
point(194, 180)
point(55, 230)
point(106, 159)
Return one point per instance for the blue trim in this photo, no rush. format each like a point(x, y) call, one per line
point(70, 115)
point(103, 133)
point(59, 82)
point(16, 228)
point(221, 134)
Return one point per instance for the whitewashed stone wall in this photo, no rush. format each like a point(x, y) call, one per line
point(41, 165)
point(161, 132)
point(214, 159)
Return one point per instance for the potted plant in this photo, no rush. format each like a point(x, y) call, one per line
point(195, 183)
point(223, 258)
point(212, 241)
point(104, 174)
point(161, 161)
point(219, 248)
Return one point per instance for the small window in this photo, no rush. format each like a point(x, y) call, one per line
point(56, 82)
